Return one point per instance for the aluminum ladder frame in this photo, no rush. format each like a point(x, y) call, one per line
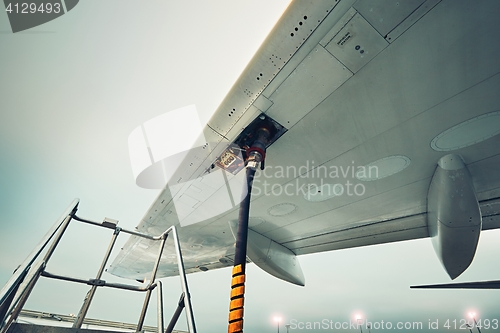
point(16, 291)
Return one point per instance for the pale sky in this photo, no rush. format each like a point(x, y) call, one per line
point(71, 92)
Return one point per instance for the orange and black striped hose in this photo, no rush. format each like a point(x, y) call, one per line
point(256, 154)
point(237, 300)
point(240, 258)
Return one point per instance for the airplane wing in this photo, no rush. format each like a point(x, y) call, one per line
point(353, 84)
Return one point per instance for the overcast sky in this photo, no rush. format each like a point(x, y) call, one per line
point(72, 90)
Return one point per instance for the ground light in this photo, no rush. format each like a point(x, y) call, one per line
point(359, 321)
point(277, 320)
point(472, 314)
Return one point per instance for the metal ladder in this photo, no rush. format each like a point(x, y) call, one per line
point(15, 293)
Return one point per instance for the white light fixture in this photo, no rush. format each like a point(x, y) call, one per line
point(467, 133)
point(383, 168)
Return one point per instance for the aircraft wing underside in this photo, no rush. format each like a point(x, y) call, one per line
point(137, 260)
point(355, 84)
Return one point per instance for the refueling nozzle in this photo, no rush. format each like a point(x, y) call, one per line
point(257, 152)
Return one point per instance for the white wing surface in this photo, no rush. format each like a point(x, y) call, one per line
point(357, 84)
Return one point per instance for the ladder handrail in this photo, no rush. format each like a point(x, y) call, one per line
point(15, 293)
point(17, 278)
